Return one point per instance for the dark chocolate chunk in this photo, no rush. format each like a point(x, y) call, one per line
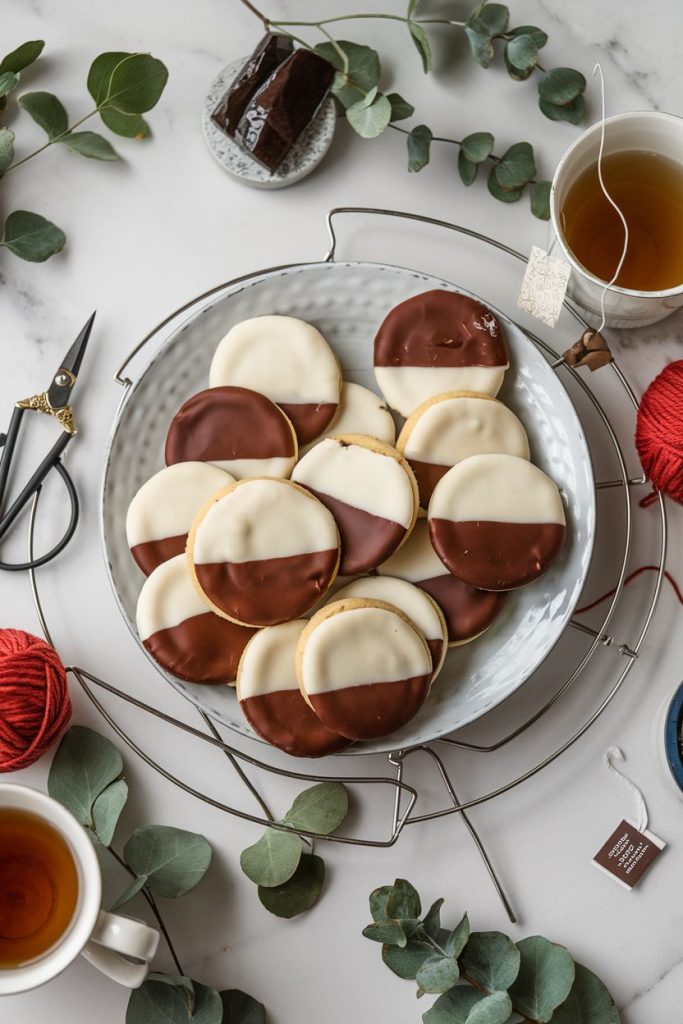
point(279, 111)
point(271, 51)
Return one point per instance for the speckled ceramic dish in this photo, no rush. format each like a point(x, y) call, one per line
point(302, 159)
point(347, 302)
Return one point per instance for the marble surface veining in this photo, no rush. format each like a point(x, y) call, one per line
point(165, 223)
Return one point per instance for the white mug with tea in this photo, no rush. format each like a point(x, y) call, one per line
point(642, 168)
point(51, 900)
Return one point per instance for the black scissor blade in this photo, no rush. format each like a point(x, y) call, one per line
point(62, 383)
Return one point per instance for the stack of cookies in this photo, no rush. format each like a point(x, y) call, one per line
point(295, 548)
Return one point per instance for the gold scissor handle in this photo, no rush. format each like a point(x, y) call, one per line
point(41, 403)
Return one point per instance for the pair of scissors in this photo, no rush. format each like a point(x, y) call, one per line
point(54, 402)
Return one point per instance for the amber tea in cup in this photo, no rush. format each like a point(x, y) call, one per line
point(38, 887)
point(648, 188)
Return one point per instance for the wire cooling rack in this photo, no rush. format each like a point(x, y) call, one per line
point(394, 767)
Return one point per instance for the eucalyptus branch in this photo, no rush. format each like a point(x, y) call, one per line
point(149, 897)
point(50, 142)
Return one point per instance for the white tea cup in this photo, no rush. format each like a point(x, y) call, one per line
point(120, 947)
point(648, 130)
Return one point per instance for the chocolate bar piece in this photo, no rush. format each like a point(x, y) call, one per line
point(279, 111)
point(271, 51)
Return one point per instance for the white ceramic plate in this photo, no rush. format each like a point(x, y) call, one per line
point(347, 302)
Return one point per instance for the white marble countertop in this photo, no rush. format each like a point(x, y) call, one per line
point(165, 224)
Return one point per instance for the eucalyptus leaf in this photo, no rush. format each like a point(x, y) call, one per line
point(240, 1008)
point(572, 113)
point(419, 144)
point(131, 83)
point(432, 919)
point(273, 859)
point(157, 1003)
point(419, 37)
point(522, 53)
point(208, 1006)
point(89, 144)
point(405, 961)
point(480, 45)
point(172, 859)
point(129, 892)
point(300, 893)
point(477, 147)
point(85, 762)
point(8, 81)
point(400, 108)
point(452, 1007)
point(540, 199)
point(468, 171)
point(561, 85)
point(361, 75)
point(458, 938)
point(539, 37)
point(494, 16)
point(320, 808)
point(516, 166)
point(404, 901)
point(131, 126)
point(437, 974)
point(387, 932)
point(6, 148)
point(515, 73)
point(47, 111)
point(107, 809)
point(24, 55)
point(412, 4)
point(378, 902)
point(491, 960)
point(492, 1009)
point(177, 980)
point(588, 1002)
point(369, 119)
point(545, 978)
point(31, 237)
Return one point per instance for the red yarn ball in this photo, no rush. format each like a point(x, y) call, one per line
point(34, 698)
point(659, 431)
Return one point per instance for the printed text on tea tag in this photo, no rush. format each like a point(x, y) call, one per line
point(544, 286)
point(628, 853)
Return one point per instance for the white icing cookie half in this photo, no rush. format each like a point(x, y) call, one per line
point(289, 361)
point(181, 633)
point(435, 342)
point(161, 513)
point(361, 411)
point(496, 521)
point(263, 551)
point(370, 490)
point(420, 608)
point(364, 668)
point(448, 428)
point(467, 610)
point(270, 697)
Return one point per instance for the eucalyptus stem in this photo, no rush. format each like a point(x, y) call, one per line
point(51, 142)
point(153, 907)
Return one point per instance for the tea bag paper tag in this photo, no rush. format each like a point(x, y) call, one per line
point(628, 854)
point(544, 286)
point(631, 849)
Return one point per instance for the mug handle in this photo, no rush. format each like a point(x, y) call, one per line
point(115, 939)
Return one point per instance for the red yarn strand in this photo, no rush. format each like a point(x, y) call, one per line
point(34, 698)
point(632, 576)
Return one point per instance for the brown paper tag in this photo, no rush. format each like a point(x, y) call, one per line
point(628, 853)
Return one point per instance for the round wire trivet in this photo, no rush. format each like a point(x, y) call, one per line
point(405, 795)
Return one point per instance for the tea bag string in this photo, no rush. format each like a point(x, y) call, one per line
point(615, 753)
point(608, 197)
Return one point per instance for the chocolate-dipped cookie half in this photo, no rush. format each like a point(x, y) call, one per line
point(184, 636)
point(263, 551)
point(271, 700)
point(370, 490)
point(435, 342)
point(496, 521)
